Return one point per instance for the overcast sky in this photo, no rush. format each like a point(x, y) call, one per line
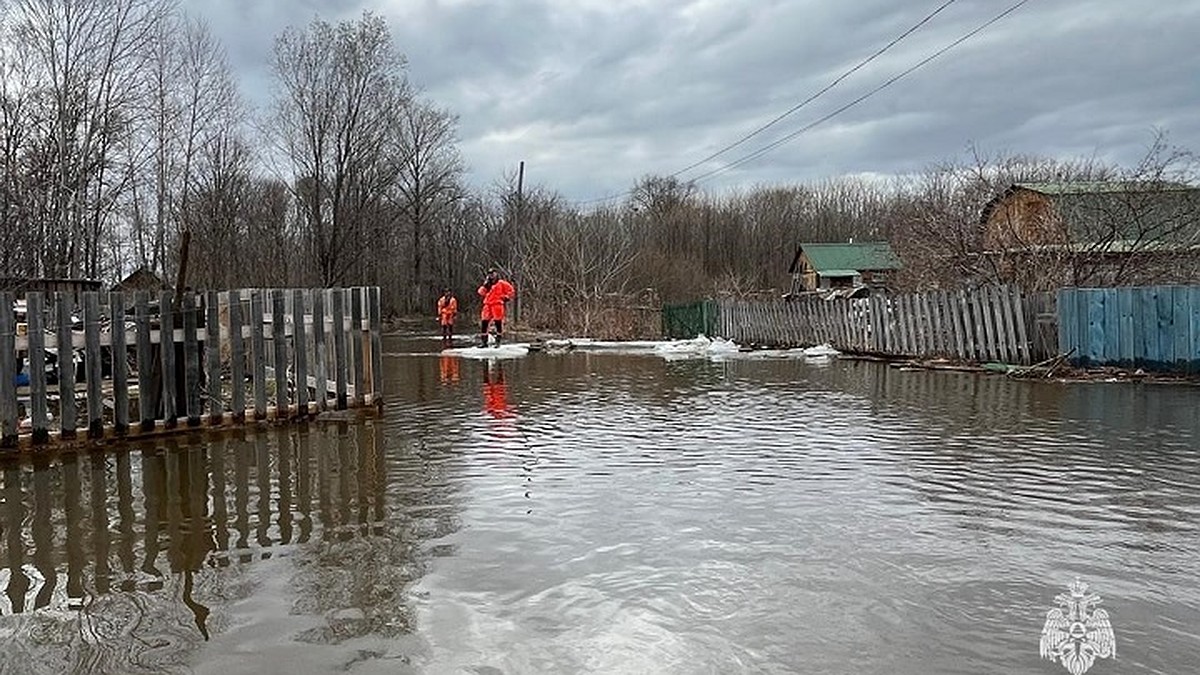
point(594, 94)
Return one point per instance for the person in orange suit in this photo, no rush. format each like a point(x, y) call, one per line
point(496, 293)
point(447, 309)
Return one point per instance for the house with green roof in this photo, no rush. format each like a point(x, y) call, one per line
point(819, 266)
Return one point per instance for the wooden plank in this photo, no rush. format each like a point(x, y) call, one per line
point(1065, 308)
point(1194, 332)
point(1112, 327)
point(1125, 320)
point(120, 362)
point(1022, 331)
point(191, 361)
point(909, 330)
point(35, 313)
point(320, 355)
point(957, 327)
point(1004, 323)
point(340, 371)
point(237, 357)
point(924, 325)
point(167, 349)
point(67, 413)
point(258, 345)
point(1181, 330)
point(93, 365)
point(1145, 327)
point(375, 318)
point(8, 375)
point(937, 342)
point(1166, 317)
point(212, 356)
point(356, 337)
point(984, 309)
point(300, 347)
point(141, 318)
point(280, 349)
point(1094, 338)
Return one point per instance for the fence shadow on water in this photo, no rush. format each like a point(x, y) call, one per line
point(132, 557)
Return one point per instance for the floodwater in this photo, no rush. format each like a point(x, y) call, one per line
point(623, 513)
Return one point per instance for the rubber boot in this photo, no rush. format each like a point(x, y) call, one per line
point(497, 342)
point(483, 340)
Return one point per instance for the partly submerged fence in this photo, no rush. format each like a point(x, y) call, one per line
point(985, 324)
point(690, 319)
point(262, 352)
point(1154, 327)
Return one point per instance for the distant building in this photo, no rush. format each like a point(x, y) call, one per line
point(72, 287)
point(826, 266)
point(1095, 232)
point(142, 279)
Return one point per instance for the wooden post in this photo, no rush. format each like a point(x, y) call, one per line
point(93, 364)
point(319, 350)
point(237, 358)
point(339, 347)
point(279, 343)
point(8, 374)
point(357, 336)
point(166, 344)
point(376, 320)
point(300, 347)
point(212, 353)
point(1018, 309)
point(35, 313)
point(66, 366)
point(191, 360)
point(258, 343)
point(146, 398)
point(120, 362)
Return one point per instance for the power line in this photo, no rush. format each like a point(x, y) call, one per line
point(836, 81)
point(861, 64)
point(767, 148)
point(895, 78)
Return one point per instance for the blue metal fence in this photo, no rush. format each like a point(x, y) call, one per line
point(1154, 328)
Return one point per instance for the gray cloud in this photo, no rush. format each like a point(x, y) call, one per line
point(593, 94)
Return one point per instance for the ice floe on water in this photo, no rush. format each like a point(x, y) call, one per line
point(701, 347)
point(503, 351)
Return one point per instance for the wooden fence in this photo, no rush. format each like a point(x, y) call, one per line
point(986, 324)
point(261, 353)
point(1154, 327)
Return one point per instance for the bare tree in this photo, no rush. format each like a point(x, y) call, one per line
point(339, 89)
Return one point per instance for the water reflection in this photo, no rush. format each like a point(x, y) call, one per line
point(133, 557)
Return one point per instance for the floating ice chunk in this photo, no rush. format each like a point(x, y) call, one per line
point(821, 351)
point(509, 351)
point(699, 347)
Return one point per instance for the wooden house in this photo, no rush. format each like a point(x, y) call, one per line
point(1104, 231)
point(829, 266)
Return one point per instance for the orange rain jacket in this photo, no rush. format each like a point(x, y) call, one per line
point(447, 308)
point(494, 298)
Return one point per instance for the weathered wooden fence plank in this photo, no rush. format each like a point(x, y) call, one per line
point(357, 334)
point(67, 414)
point(258, 347)
point(39, 420)
point(191, 360)
point(212, 356)
point(279, 348)
point(338, 299)
point(9, 424)
point(300, 349)
point(94, 367)
point(167, 350)
point(237, 358)
point(320, 350)
point(145, 357)
point(120, 362)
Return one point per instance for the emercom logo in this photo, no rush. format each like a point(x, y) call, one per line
point(1076, 633)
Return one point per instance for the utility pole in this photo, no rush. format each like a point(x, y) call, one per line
point(517, 238)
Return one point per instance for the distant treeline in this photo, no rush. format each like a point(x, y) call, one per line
point(122, 127)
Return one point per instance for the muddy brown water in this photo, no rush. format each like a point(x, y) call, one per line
point(622, 513)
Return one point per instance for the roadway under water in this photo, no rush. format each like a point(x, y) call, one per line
point(616, 512)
